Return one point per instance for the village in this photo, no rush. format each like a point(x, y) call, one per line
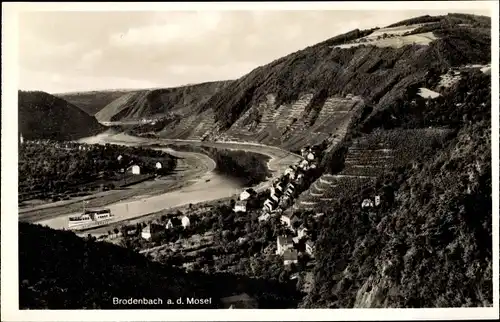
point(249, 235)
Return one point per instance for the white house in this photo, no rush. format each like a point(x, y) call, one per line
point(146, 232)
point(310, 156)
point(185, 221)
point(275, 198)
point(158, 165)
point(377, 201)
point(285, 220)
point(169, 224)
point(244, 195)
point(283, 244)
point(135, 169)
point(21, 139)
point(310, 248)
point(240, 206)
point(264, 217)
point(366, 203)
point(290, 257)
point(302, 232)
point(119, 158)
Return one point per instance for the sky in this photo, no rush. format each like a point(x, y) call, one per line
point(66, 51)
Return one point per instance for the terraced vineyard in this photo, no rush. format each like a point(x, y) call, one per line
point(290, 126)
point(368, 157)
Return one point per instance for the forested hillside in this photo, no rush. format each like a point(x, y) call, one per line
point(59, 270)
point(44, 116)
point(430, 244)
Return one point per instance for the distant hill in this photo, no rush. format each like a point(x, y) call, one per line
point(44, 116)
point(92, 102)
point(158, 102)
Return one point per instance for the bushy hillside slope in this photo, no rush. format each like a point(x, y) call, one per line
point(59, 270)
point(158, 102)
point(430, 243)
point(44, 116)
point(92, 102)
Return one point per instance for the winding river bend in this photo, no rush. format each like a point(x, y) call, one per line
point(194, 174)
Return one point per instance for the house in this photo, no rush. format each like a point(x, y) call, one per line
point(377, 201)
point(244, 195)
point(283, 243)
point(302, 232)
point(285, 220)
point(310, 156)
point(21, 139)
point(169, 224)
point(288, 171)
point(119, 158)
point(240, 206)
point(367, 203)
point(151, 231)
point(264, 217)
point(275, 198)
point(269, 204)
point(289, 220)
point(310, 248)
point(185, 222)
point(158, 165)
point(135, 169)
point(319, 214)
point(304, 163)
point(290, 257)
point(241, 301)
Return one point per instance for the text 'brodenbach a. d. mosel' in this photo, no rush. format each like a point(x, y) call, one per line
point(159, 301)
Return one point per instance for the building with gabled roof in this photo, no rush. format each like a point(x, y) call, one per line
point(240, 206)
point(290, 256)
point(283, 243)
point(310, 248)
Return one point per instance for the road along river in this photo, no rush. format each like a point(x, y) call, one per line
point(197, 182)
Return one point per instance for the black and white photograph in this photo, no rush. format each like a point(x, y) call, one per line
point(252, 156)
